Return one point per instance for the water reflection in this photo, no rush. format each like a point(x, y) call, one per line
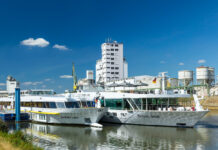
point(51, 137)
point(117, 137)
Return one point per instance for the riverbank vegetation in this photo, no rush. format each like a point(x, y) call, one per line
point(210, 102)
point(14, 141)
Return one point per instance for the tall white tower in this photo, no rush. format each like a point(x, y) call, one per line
point(112, 66)
point(11, 84)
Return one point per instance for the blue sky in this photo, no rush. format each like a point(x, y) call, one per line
point(157, 35)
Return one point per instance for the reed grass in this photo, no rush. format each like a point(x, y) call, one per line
point(17, 139)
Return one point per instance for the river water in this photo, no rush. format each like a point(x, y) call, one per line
point(52, 137)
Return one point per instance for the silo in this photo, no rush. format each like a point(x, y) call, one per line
point(202, 75)
point(211, 75)
point(185, 77)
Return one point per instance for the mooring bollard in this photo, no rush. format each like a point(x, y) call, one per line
point(17, 104)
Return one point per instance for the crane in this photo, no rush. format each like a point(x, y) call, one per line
point(74, 78)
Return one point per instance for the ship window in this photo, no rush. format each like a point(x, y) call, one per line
point(45, 105)
point(90, 104)
point(72, 104)
point(60, 104)
point(84, 104)
point(114, 103)
point(52, 105)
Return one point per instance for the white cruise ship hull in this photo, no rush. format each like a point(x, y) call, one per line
point(154, 118)
point(80, 116)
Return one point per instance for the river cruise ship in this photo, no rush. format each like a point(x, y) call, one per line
point(45, 107)
point(151, 109)
point(147, 109)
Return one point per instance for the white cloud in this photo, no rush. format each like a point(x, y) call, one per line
point(37, 83)
point(66, 76)
point(61, 47)
point(48, 79)
point(40, 42)
point(201, 61)
point(31, 83)
point(181, 64)
point(162, 62)
point(27, 83)
point(2, 84)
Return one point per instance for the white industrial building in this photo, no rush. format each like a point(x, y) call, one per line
point(141, 83)
point(11, 84)
point(205, 75)
point(88, 80)
point(88, 83)
point(185, 77)
point(112, 66)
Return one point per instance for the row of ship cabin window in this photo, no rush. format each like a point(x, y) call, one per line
point(58, 104)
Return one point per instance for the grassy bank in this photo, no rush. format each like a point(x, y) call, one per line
point(210, 103)
point(14, 141)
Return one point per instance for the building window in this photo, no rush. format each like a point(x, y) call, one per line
point(112, 49)
point(116, 45)
point(112, 72)
point(112, 67)
point(116, 49)
point(108, 67)
point(112, 44)
point(116, 72)
point(112, 54)
point(112, 63)
point(116, 67)
point(108, 49)
point(112, 58)
point(108, 62)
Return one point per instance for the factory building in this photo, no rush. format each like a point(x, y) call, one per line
point(112, 66)
point(185, 77)
point(88, 83)
point(205, 75)
point(144, 83)
point(11, 84)
point(204, 83)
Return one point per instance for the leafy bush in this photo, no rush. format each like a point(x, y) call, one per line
point(3, 126)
